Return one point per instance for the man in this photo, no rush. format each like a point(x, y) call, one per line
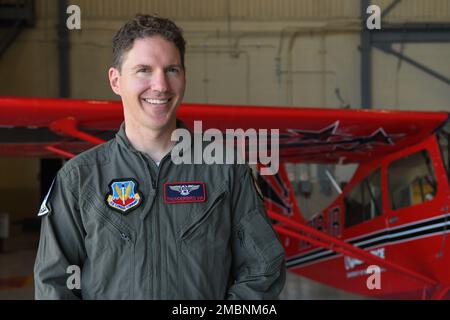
point(137, 225)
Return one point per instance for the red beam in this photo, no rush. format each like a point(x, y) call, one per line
point(316, 242)
point(60, 152)
point(68, 126)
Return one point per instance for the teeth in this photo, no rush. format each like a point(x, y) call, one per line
point(157, 101)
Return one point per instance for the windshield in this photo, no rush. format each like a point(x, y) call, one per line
point(316, 186)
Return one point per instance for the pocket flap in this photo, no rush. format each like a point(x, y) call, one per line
point(199, 216)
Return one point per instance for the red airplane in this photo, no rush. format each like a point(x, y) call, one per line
point(390, 221)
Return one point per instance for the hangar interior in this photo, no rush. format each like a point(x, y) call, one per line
point(300, 53)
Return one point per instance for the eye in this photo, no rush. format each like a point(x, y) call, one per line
point(143, 70)
point(173, 70)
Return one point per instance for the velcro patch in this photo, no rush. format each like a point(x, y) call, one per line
point(182, 192)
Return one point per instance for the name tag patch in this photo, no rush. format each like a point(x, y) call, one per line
point(182, 192)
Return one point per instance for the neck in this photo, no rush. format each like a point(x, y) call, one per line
point(155, 143)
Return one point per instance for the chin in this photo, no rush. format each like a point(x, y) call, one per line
point(157, 125)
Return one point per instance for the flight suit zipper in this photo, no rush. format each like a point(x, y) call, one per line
point(157, 253)
point(154, 222)
point(123, 235)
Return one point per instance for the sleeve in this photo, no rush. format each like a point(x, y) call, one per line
point(258, 266)
point(61, 244)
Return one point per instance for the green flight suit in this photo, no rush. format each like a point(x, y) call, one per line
point(221, 248)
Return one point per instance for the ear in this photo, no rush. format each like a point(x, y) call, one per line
point(114, 76)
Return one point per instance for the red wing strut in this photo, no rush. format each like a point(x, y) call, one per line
point(324, 240)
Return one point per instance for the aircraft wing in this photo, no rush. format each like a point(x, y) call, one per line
point(33, 126)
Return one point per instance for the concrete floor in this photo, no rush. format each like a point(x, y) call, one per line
point(16, 265)
point(16, 269)
point(301, 288)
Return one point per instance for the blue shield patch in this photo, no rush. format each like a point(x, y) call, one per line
point(124, 195)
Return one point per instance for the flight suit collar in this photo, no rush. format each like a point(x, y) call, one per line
point(123, 140)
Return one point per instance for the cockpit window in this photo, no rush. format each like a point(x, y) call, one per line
point(363, 202)
point(411, 180)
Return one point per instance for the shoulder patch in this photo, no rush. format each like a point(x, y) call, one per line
point(44, 209)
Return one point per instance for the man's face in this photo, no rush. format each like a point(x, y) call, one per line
point(151, 83)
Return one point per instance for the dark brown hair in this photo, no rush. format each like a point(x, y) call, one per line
point(143, 26)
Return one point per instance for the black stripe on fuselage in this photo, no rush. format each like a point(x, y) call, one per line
point(394, 235)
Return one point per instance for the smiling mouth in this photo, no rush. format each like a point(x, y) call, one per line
point(157, 101)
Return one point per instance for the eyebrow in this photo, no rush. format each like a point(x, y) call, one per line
point(139, 66)
point(175, 65)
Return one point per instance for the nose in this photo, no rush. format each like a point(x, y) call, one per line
point(159, 82)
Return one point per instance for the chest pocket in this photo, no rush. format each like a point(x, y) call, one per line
point(109, 270)
point(196, 224)
point(203, 249)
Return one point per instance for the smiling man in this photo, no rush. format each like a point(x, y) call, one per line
point(137, 226)
point(150, 80)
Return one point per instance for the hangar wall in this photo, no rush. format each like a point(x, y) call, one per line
point(268, 52)
point(263, 10)
point(259, 52)
point(19, 191)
